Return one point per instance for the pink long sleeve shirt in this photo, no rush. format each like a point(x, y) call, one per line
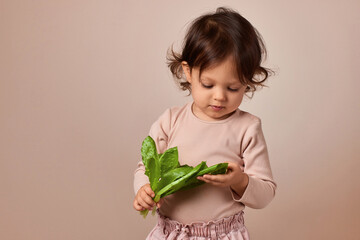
point(239, 138)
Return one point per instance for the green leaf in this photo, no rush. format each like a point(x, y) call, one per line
point(151, 161)
point(167, 176)
point(148, 149)
point(169, 160)
point(179, 183)
point(215, 169)
point(173, 175)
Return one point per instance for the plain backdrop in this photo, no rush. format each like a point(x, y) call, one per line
point(81, 82)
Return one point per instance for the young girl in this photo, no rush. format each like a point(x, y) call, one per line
point(221, 61)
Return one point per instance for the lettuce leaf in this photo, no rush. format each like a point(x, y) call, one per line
point(167, 176)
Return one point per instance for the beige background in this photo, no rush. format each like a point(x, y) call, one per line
point(82, 81)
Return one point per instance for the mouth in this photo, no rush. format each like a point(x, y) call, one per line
point(217, 108)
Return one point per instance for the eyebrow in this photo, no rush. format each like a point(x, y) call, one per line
point(211, 79)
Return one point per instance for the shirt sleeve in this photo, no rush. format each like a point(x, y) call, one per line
point(159, 131)
point(261, 187)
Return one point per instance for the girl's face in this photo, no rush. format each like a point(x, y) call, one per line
point(217, 93)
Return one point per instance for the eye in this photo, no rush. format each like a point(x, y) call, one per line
point(206, 86)
point(233, 89)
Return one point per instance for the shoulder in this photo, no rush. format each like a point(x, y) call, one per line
point(248, 125)
point(252, 129)
point(176, 111)
point(162, 127)
point(247, 119)
point(173, 114)
point(170, 116)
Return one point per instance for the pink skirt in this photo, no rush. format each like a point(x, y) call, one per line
point(230, 228)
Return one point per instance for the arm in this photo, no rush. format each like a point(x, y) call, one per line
point(234, 178)
point(144, 194)
point(261, 186)
point(254, 186)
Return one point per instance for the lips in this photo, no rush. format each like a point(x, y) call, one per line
point(216, 108)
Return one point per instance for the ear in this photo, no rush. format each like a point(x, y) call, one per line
point(186, 68)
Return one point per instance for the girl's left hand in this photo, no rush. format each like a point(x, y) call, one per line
point(234, 178)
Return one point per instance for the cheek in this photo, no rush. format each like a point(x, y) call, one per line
point(199, 95)
point(238, 99)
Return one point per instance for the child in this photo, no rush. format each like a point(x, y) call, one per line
point(221, 62)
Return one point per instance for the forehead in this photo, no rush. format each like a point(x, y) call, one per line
point(225, 69)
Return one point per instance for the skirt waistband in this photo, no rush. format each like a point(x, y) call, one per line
point(211, 229)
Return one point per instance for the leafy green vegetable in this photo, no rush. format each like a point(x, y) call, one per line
point(167, 176)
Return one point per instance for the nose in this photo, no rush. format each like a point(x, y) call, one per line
point(219, 95)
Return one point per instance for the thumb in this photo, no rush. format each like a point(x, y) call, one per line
point(159, 203)
point(232, 166)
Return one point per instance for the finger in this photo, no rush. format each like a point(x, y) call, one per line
point(158, 204)
point(215, 183)
point(206, 179)
point(233, 166)
point(215, 178)
point(137, 206)
point(144, 204)
point(149, 191)
point(147, 198)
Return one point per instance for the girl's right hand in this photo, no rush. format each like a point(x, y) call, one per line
point(144, 198)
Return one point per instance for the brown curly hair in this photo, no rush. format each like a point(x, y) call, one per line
point(214, 36)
